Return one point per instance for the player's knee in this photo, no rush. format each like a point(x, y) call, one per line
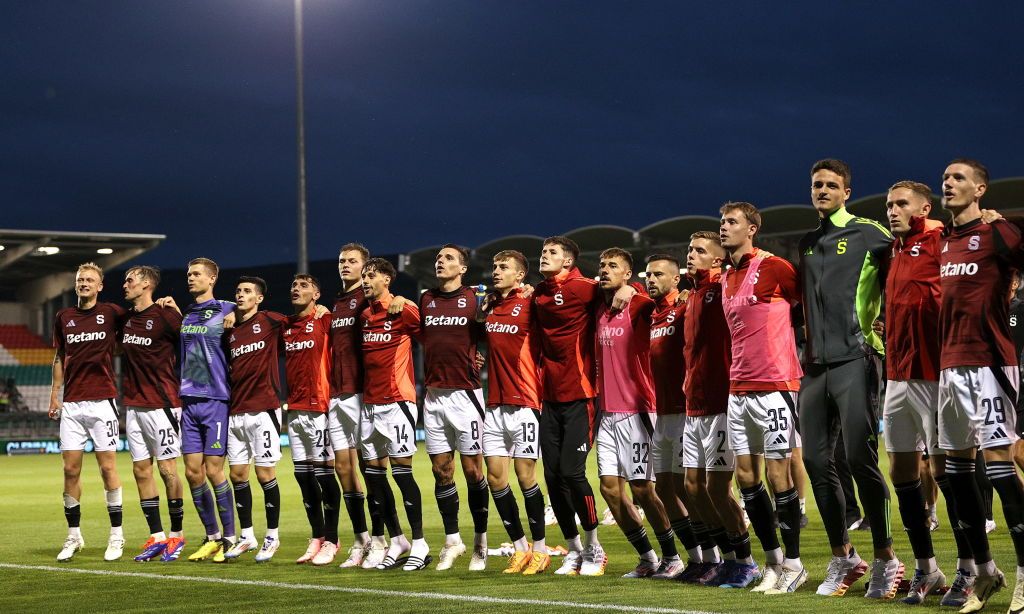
point(72, 472)
point(643, 491)
point(239, 474)
point(194, 475)
point(814, 464)
point(474, 476)
point(610, 493)
point(496, 482)
point(142, 471)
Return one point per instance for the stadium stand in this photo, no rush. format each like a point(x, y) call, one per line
point(25, 362)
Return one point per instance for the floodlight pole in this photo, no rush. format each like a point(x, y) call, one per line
point(300, 142)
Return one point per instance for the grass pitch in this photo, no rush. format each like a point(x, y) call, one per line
point(32, 528)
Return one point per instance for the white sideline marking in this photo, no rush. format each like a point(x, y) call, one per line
point(360, 591)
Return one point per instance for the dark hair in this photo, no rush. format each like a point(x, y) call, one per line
point(151, 273)
point(665, 257)
point(307, 277)
point(836, 166)
point(979, 169)
point(510, 254)
point(618, 252)
point(567, 245)
point(749, 211)
point(355, 247)
point(261, 285)
point(380, 265)
point(463, 252)
point(914, 186)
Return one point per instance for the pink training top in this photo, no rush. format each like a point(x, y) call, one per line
point(763, 344)
point(624, 357)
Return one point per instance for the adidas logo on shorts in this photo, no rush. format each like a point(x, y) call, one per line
point(781, 439)
point(998, 434)
point(404, 450)
point(215, 446)
point(582, 448)
point(267, 454)
point(720, 462)
point(638, 471)
point(528, 450)
point(475, 446)
point(167, 452)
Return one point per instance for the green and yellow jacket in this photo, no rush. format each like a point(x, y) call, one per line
point(842, 272)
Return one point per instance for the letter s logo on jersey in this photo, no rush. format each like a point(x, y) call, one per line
point(517, 310)
point(149, 324)
point(558, 299)
point(709, 297)
point(99, 318)
point(671, 317)
point(841, 247)
point(915, 251)
point(309, 327)
point(352, 304)
point(256, 328)
point(974, 242)
point(462, 302)
point(387, 325)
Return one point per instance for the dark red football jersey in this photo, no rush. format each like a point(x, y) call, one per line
point(256, 352)
point(307, 349)
point(913, 297)
point(564, 306)
point(87, 338)
point(977, 260)
point(149, 340)
point(346, 341)
point(388, 375)
point(513, 355)
point(708, 347)
point(668, 363)
point(450, 336)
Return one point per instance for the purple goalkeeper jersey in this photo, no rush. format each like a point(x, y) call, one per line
point(204, 367)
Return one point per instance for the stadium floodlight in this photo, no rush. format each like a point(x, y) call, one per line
point(104, 250)
point(2, 248)
point(48, 250)
point(300, 142)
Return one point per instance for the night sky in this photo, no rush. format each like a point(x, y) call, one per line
point(437, 121)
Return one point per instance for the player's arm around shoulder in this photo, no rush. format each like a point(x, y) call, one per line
point(786, 277)
point(410, 317)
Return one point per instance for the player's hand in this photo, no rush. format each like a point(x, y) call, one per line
point(622, 296)
point(990, 215)
point(480, 361)
point(55, 406)
point(485, 306)
point(168, 303)
point(229, 320)
point(526, 290)
point(879, 327)
point(398, 303)
point(320, 311)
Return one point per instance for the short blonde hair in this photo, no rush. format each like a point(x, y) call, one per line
point(91, 266)
point(211, 267)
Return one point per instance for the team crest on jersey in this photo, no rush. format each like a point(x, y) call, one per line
point(974, 242)
point(709, 297)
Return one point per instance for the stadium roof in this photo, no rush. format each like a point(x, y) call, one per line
point(782, 226)
point(38, 265)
